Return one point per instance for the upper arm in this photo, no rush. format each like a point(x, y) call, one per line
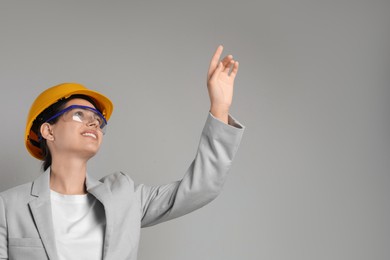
point(203, 180)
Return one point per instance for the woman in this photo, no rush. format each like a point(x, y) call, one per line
point(66, 214)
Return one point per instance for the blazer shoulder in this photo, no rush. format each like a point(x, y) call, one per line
point(18, 192)
point(116, 180)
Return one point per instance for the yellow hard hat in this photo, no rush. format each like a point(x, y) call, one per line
point(51, 96)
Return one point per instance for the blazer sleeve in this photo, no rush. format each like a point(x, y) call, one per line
point(3, 232)
point(203, 180)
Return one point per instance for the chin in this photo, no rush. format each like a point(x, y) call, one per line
point(89, 153)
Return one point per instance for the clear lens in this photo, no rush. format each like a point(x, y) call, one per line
point(83, 114)
point(86, 116)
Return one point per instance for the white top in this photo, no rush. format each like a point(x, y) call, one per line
point(79, 223)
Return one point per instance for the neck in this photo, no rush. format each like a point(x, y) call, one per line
point(68, 178)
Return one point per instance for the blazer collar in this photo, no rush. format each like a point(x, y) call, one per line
point(103, 193)
point(41, 210)
point(41, 185)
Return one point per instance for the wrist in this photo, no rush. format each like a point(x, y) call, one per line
point(220, 113)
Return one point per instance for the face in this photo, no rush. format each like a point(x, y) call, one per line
point(71, 136)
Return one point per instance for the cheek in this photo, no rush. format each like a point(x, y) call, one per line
point(64, 132)
point(101, 137)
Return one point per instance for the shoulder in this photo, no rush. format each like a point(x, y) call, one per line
point(117, 180)
point(115, 177)
point(20, 192)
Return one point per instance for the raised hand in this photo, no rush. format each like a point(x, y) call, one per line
point(220, 83)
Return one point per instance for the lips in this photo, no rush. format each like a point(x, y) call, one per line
point(90, 134)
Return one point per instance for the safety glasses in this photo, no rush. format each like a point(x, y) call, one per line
point(82, 114)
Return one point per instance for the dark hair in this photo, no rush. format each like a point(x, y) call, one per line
point(46, 114)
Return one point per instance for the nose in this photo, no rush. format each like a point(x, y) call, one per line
point(92, 121)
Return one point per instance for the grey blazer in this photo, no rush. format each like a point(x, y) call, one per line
point(26, 227)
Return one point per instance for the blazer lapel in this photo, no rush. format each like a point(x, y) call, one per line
point(103, 194)
point(41, 211)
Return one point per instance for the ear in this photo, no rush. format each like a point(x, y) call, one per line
point(47, 131)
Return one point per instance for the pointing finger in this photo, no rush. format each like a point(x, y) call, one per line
point(214, 61)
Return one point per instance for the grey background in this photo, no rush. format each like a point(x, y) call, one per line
point(311, 178)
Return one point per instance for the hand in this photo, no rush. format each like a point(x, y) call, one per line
point(220, 82)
